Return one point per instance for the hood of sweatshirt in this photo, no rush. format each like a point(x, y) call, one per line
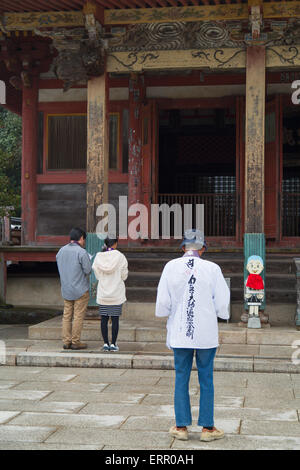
point(108, 261)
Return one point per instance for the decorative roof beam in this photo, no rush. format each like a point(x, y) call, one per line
point(37, 20)
point(210, 59)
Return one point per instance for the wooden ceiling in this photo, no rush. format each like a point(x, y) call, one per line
point(72, 5)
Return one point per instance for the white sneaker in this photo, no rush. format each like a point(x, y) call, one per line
point(105, 347)
point(114, 347)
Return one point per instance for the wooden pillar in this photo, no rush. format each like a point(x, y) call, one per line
point(255, 132)
point(97, 149)
point(136, 97)
point(29, 161)
point(3, 278)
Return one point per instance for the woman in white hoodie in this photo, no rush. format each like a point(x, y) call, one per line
point(111, 270)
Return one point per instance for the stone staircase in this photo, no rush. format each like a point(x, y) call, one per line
point(145, 269)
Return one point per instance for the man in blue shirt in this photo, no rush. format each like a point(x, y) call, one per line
point(74, 267)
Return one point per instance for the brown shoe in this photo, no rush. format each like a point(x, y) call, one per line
point(78, 346)
point(67, 346)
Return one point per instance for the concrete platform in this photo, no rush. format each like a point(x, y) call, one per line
point(142, 346)
point(154, 332)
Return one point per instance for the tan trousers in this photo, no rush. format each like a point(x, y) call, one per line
point(74, 313)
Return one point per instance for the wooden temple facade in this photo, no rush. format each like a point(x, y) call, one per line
point(162, 101)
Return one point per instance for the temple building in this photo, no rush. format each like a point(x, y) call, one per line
point(162, 101)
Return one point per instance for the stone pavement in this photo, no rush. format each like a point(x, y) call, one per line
point(113, 409)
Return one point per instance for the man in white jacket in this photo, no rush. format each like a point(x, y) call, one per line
point(192, 293)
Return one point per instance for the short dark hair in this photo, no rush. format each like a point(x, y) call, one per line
point(76, 233)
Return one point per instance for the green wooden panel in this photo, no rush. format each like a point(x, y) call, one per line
point(93, 246)
point(255, 244)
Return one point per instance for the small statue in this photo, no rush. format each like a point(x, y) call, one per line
point(254, 290)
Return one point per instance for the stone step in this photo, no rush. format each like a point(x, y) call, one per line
point(228, 264)
point(280, 314)
point(273, 281)
point(155, 332)
point(226, 363)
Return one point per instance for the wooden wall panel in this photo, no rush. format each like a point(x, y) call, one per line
point(60, 207)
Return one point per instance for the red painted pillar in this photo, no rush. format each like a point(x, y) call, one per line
point(29, 162)
point(136, 97)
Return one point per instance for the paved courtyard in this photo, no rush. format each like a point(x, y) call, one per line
point(110, 409)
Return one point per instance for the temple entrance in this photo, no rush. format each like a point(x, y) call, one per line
point(291, 172)
point(197, 164)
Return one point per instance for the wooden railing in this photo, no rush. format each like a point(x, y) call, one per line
point(290, 214)
point(219, 210)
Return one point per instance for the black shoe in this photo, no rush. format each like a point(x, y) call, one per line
point(67, 346)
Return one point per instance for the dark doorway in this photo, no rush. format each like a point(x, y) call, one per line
point(291, 172)
point(197, 164)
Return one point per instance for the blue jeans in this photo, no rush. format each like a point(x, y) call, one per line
point(183, 360)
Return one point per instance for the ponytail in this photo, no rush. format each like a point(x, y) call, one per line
point(108, 243)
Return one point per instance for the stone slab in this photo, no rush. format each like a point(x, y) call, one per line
point(68, 420)
point(255, 414)
point(110, 437)
point(95, 397)
point(241, 350)
point(277, 379)
point(106, 377)
point(275, 365)
point(41, 406)
point(151, 334)
point(42, 446)
point(233, 364)
point(6, 416)
point(63, 386)
point(77, 359)
point(23, 394)
point(5, 385)
point(10, 359)
point(274, 428)
point(10, 433)
point(278, 352)
point(274, 403)
point(153, 362)
point(8, 372)
point(273, 336)
point(229, 334)
point(254, 442)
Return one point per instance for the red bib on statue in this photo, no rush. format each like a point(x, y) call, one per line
point(255, 281)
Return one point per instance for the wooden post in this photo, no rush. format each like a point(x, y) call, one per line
point(7, 230)
point(97, 149)
point(136, 96)
point(3, 276)
point(255, 132)
point(29, 162)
